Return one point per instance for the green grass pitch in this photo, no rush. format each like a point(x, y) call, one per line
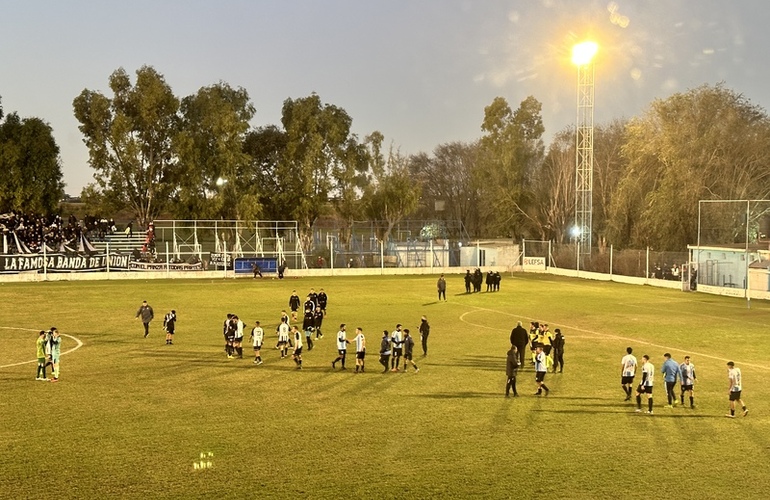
point(130, 415)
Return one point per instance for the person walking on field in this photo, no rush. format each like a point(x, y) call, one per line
point(520, 339)
point(541, 368)
point(736, 386)
point(146, 313)
point(670, 371)
point(687, 380)
point(424, 332)
point(645, 386)
point(628, 372)
point(169, 325)
point(511, 367)
point(408, 350)
point(441, 286)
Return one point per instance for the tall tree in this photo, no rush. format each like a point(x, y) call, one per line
point(707, 143)
point(266, 147)
point(31, 179)
point(317, 142)
point(210, 145)
point(511, 148)
point(553, 187)
point(129, 140)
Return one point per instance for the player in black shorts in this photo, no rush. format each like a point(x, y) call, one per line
point(408, 344)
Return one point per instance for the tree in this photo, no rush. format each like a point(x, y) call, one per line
point(31, 179)
point(129, 140)
point(210, 145)
point(707, 143)
point(393, 196)
point(510, 150)
point(317, 143)
point(266, 147)
point(553, 187)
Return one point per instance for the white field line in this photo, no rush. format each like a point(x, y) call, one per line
point(604, 335)
point(77, 341)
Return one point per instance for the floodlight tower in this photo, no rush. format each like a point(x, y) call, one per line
point(582, 56)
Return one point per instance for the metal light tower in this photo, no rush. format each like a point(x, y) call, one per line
point(582, 57)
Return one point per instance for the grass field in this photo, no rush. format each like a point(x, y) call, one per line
point(131, 415)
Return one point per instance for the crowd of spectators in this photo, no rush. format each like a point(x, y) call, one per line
point(32, 230)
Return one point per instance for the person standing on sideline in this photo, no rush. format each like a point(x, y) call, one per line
point(511, 367)
point(558, 351)
point(645, 386)
point(145, 312)
point(541, 368)
point(628, 372)
point(55, 353)
point(384, 351)
point(687, 379)
point(408, 350)
point(424, 332)
point(342, 347)
point(736, 386)
point(294, 305)
point(296, 355)
point(360, 341)
point(257, 336)
point(396, 340)
point(670, 371)
point(519, 339)
point(441, 286)
point(468, 280)
point(169, 325)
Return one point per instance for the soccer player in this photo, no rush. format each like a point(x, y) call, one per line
point(628, 372)
point(541, 368)
point(408, 350)
point(146, 313)
point(534, 334)
point(55, 353)
point(441, 287)
point(169, 325)
point(323, 300)
point(238, 338)
point(384, 350)
point(313, 297)
point(736, 386)
point(318, 319)
point(257, 336)
point(670, 371)
point(687, 379)
point(396, 341)
point(645, 386)
point(225, 328)
point(296, 355)
point(424, 332)
point(342, 347)
point(283, 339)
point(230, 330)
point(511, 367)
point(294, 304)
point(546, 338)
point(360, 341)
point(40, 345)
point(308, 322)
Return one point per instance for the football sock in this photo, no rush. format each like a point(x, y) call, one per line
point(692, 403)
point(732, 411)
point(639, 402)
point(649, 404)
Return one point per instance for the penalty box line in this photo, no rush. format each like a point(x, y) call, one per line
point(78, 345)
point(604, 335)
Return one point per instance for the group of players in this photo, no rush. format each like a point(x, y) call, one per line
point(394, 346)
point(546, 349)
point(48, 353)
point(673, 371)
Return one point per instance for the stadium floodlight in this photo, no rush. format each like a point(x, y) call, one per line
point(221, 182)
point(582, 56)
point(583, 53)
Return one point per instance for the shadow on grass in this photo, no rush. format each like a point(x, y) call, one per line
point(623, 412)
point(461, 395)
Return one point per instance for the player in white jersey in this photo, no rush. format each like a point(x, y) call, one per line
point(283, 339)
point(736, 386)
point(396, 342)
point(342, 347)
point(257, 336)
point(360, 341)
point(296, 355)
point(541, 368)
point(645, 386)
point(687, 379)
point(238, 340)
point(628, 372)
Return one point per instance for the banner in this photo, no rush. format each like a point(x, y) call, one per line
point(70, 263)
point(221, 260)
point(534, 263)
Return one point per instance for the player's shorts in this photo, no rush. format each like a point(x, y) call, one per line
point(687, 387)
point(55, 359)
point(258, 347)
point(342, 352)
point(230, 338)
point(408, 355)
point(170, 332)
point(397, 352)
point(298, 351)
point(627, 379)
point(40, 361)
point(644, 389)
point(282, 343)
point(735, 395)
point(360, 354)
point(539, 376)
point(237, 339)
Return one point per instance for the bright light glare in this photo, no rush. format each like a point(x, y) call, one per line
point(221, 182)
point(575, 231)
point(582, 53)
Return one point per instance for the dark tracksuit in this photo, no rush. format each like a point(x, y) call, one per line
point(147, 315)
point(511, 366)
point(558, 352)
point(520, 338)
point(424, 332)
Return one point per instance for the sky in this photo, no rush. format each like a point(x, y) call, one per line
point(419, 71)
